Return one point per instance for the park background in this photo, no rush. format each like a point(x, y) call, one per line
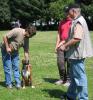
point(45, 15)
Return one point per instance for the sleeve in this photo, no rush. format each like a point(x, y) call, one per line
point(78, 31)
point(12, 33)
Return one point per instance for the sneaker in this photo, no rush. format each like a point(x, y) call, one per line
point(67, 84)
point(9, 86)
point(59, 82)
point(18, 86)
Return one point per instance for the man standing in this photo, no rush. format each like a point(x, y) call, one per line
point(12, 41)
point(63, 33)
point(79, 48)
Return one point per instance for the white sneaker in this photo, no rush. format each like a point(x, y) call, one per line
point(67, 84)
point(59, 82)
point(18, 86)
point(9, 86)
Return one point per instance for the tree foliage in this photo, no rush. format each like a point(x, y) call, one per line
point(29, 10)
point(43, 10)
point(56, 8)
point(87, 10)
point(5, 13)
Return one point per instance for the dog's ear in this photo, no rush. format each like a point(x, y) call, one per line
point(25, 62)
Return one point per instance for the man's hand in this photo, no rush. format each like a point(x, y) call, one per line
point(62, 47)
point(60, 44)
point(8, 50)
point(56, 49)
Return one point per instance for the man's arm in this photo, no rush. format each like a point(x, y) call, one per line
point(57, 42)
point(78, 35)
point(5, 39)
point(26, 55)
point(10, 35)
point(69, 43)
point(26, 49)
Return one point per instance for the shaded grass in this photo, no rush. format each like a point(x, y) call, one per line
point(44, 71)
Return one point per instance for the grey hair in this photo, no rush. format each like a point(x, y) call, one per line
point(77, 10)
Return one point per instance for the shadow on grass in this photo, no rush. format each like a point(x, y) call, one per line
point(2, 84)
point(50, 80)
point(54, 93)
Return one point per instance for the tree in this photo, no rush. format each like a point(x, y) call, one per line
point(22, 10)
point(56, 8)
point(87, 10)
point(86, 2)
point(5, 13)
point(27, 10)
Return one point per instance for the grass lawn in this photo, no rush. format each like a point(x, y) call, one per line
point(44, 71)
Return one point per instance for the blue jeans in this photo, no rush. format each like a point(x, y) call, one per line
point(78, 87)
point(11, 67)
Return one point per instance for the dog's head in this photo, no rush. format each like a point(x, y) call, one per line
point(26, 69)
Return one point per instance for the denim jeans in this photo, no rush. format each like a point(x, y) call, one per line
point(78, 87)
point(11, 67)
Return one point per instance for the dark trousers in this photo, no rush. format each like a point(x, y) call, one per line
point(63, 65)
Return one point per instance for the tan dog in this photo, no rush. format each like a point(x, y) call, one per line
point(26, 74)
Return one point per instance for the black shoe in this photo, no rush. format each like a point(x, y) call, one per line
point(69, 98)
point(65, 97)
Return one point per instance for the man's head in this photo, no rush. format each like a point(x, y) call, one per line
point(74, 10)
point(30, 31)
point(66, 12)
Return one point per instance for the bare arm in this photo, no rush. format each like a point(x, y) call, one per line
point(57, 42)
point(26, 49)
point(5, 39)
point(26, 55)
point(78, 35)
point(69, 43)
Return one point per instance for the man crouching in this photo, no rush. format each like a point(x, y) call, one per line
point(12, 41)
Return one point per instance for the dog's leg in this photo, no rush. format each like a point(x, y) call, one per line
point(23, 82)
point(30, 80)
point(30, 77)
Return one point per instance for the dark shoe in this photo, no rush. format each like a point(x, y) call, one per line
point(69, 98)
point(65, 97)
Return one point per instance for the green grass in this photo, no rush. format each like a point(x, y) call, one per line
point(44, 71)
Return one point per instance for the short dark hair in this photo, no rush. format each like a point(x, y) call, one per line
point(66, 9)
point(70, 6)
point(31, 30)
point(73, 6)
